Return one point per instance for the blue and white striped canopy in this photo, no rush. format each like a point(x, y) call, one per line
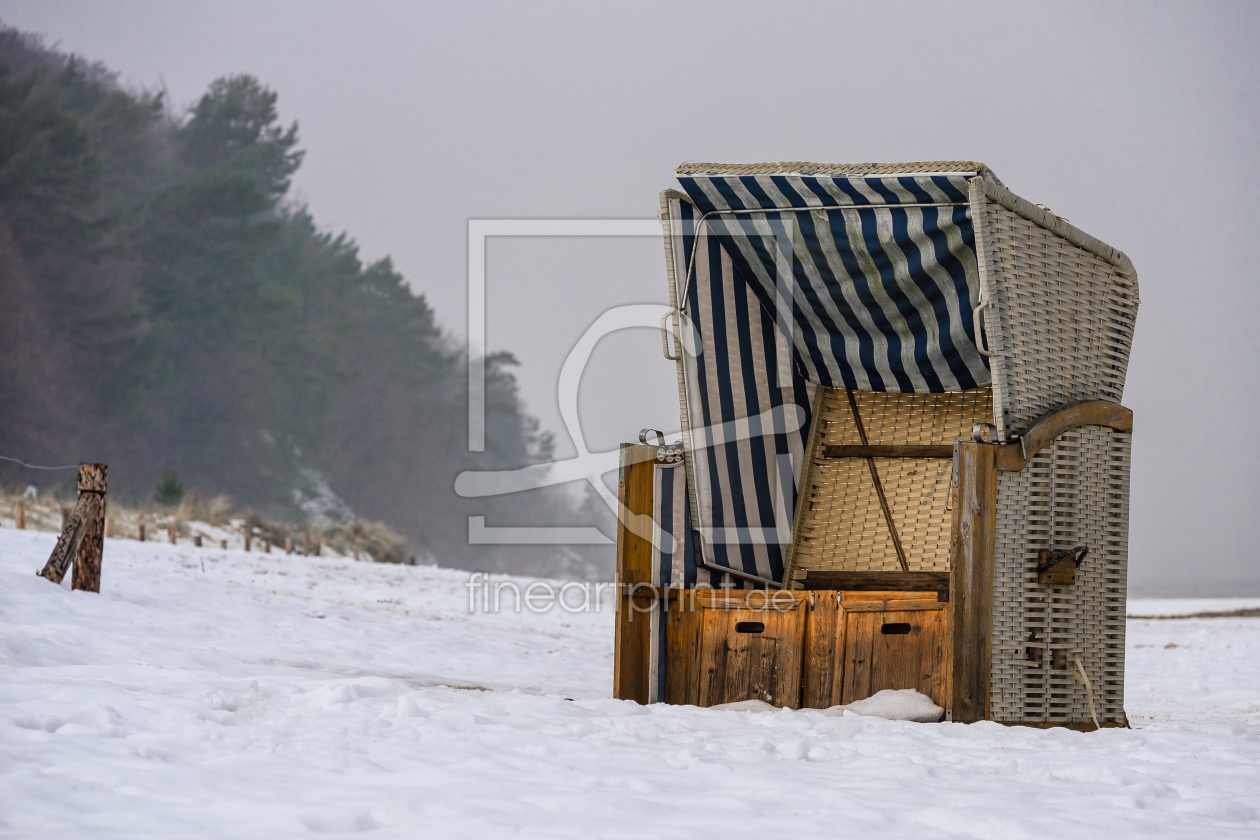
point(878, 274)
point(790, 281)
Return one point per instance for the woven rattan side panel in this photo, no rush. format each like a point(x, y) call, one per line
point(843, 528)
point(1073, 493)
point(1060, 322)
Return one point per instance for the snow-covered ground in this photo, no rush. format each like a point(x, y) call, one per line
point(209, 693)
point(1171, 607)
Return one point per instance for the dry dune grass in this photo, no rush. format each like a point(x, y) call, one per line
point(214, 522)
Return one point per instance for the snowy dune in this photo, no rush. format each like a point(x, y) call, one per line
point(209, 693)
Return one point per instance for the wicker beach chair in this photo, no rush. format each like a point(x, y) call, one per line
point(897, 382)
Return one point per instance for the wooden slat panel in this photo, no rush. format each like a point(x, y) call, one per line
point(736, 666)
point(971, 590)
point(859, 652)
point(682, 636)
point(631, 654)
point(824, 647)
point(878, 451)
point(713, 658)
point(914, 660)
point(875, 661)
point(760, 682)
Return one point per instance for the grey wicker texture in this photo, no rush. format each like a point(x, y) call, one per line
point(1074, 492)
point(675, 266)
point(801, 167)
point(1060, 309)
point(843, 528)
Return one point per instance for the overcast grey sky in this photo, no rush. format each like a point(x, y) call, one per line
point(1137, 121)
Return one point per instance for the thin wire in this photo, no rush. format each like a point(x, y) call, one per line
point(33, 467)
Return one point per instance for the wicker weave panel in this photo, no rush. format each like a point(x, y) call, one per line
point(843, 528)
point(1075, 492)
point(891, 419)
point(1061, 318)
point(801, 167)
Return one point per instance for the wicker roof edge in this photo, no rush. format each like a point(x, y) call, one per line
point(993, 187)
point(1049, 221)
point(801, 167)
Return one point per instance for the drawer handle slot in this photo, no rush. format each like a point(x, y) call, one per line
point(751, 627)
point(897, 629)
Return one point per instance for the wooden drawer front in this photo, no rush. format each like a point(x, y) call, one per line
point(750, 654)
point(894, 644)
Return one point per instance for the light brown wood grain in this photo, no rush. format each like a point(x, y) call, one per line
point(1014, 457)
point(875, 660)
point(631, 654)
point(735, 666)
point(682, 634)
point(972, 545)
point(823, 652)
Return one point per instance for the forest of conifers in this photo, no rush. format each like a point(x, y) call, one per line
point(166, 306)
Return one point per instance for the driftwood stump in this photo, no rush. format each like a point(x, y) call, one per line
point(83, 535)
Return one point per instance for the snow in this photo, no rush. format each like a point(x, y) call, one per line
point(905, 704)
point(210, 693)
point(1170, 607)
point(889, 704)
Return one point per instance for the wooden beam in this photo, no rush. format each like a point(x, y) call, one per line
point(1013, 457)
point(876, 451)
point(879, 487)
point(879, 581)
point(882, 606)
point(631, 653)
point(971, 552)
point(812, 444)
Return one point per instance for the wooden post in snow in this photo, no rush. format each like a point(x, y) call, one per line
point(141, 532)
point(82, 538)
point(247, 543)
point(266, 546)
point(170, 535)
point(223, 544)
point(288, 545)
point(197, 541)
point(109, 527)
point(19, 516)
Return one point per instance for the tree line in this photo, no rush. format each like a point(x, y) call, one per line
point(166, 306)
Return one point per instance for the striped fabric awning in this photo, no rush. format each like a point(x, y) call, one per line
point(875, 277)
point(787, 281)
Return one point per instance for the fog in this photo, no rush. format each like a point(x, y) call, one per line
point(1136, 121)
